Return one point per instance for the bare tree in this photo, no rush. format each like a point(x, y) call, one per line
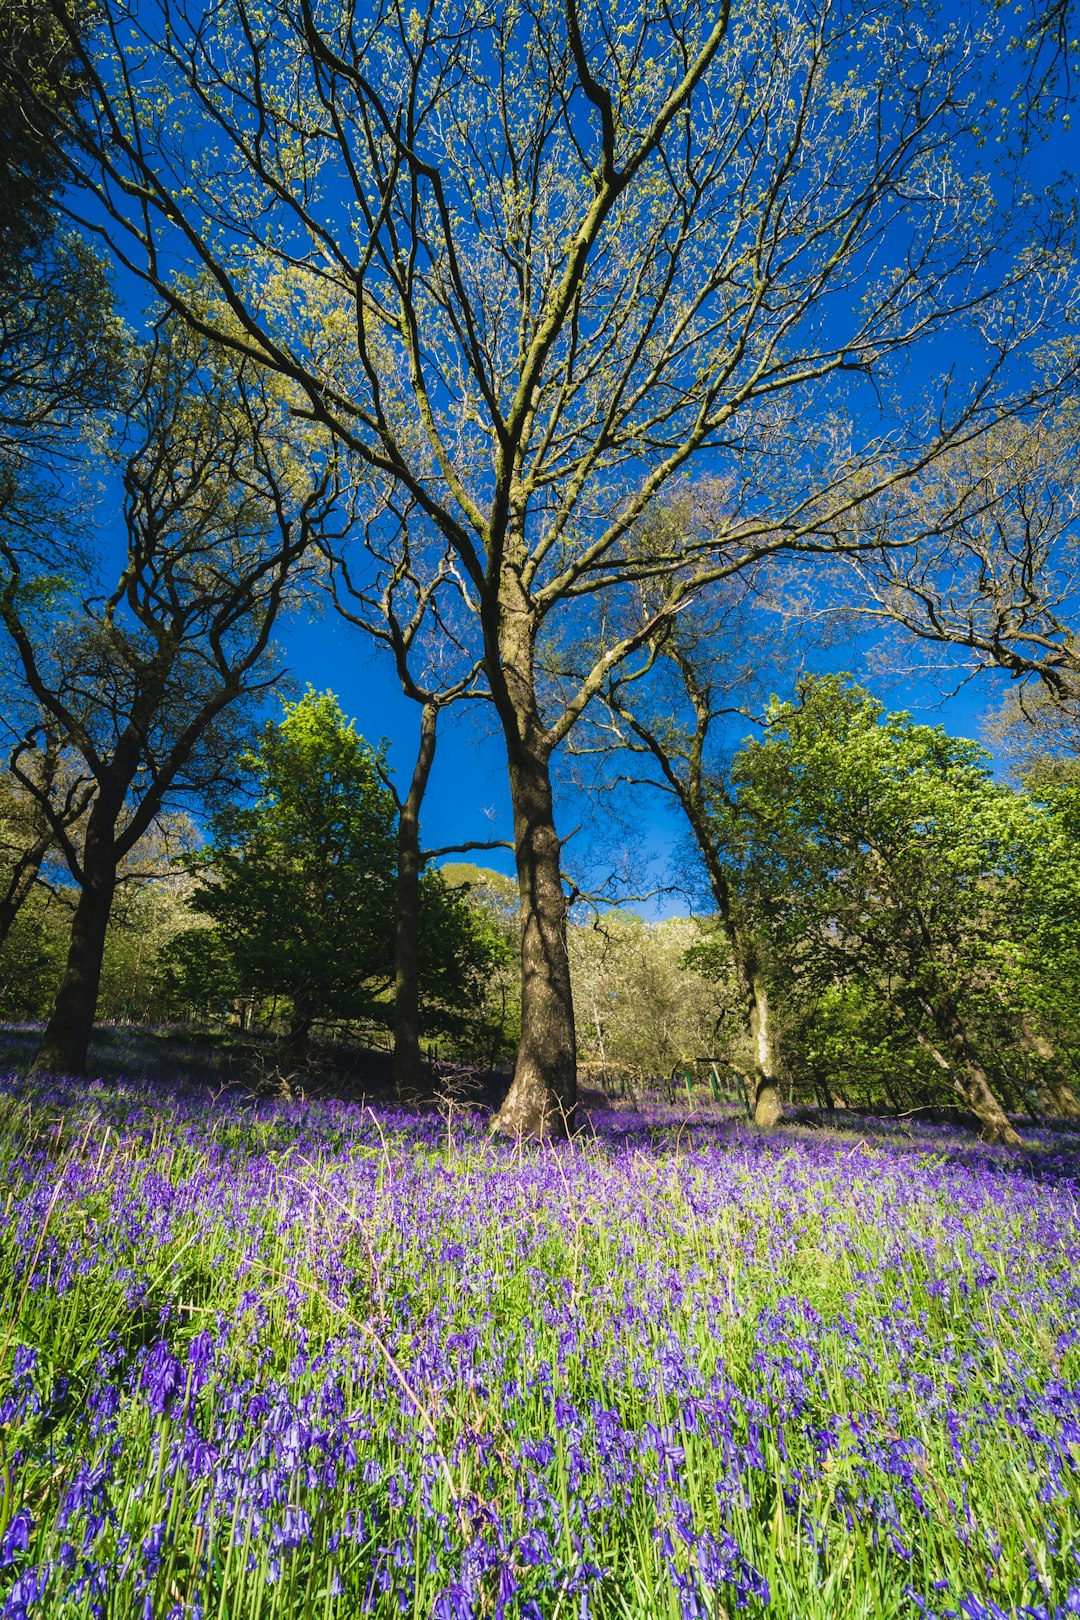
point(574, 257)
point(141, 679)
point(981, 557)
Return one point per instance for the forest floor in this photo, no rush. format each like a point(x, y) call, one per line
point(255, 1063)
point(315, 1358)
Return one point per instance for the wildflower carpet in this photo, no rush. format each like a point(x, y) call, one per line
point(307, 1360)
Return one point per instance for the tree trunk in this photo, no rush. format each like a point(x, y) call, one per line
point(1058, 1097)
point(975, 1082)
point(295, 1043)
point(412, 1078)
point(764, 1104)
point(767, 1107)
point(66, 1041)
point(542, 1100)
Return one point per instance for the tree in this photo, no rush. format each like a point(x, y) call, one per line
point(460, 951)
point(196, 975)
point(149, 909)
point(981, 556)
point(883, 853)
point(39, 75)
point(60, 341)
point(702, 673)
point(145, 681)
point(571, 259)
point(27, 838)
point(493, 898)
point(301, 883)
point(642, 1011)
point(413, 618)
point(1045, 996)
point(61, 360)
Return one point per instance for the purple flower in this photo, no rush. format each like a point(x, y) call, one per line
point(162, 1378)
point(454, 1603)
point(26, 1593)
point(17, 1536)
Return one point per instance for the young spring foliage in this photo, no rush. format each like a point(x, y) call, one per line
point(300, 885)
point(301, 881)
point(882, 854)
point(528, 262)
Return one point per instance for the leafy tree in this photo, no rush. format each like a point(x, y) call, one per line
point(149, 910)
point(1045, 995)
point(846, 1046)
point(196, 975)
point(39, 80)
point(32, 958)
point(144, 680)
point(60, 341)
point(301, 882)
point(492, 897)
point(882, 853)
point(528, 267)
point(459, 951)
point(27, 839)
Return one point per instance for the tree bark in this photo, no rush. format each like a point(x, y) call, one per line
point(66, 1041)
point(542, 1100)
point(411, 1077)
point(767, 1107)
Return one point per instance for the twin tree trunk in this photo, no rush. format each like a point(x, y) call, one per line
point(66, 1041)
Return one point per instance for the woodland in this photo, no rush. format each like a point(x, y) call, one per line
point(607, 422)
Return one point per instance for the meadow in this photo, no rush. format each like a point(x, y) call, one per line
point(270, 1359)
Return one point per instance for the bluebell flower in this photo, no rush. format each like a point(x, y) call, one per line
point(16, 1536)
